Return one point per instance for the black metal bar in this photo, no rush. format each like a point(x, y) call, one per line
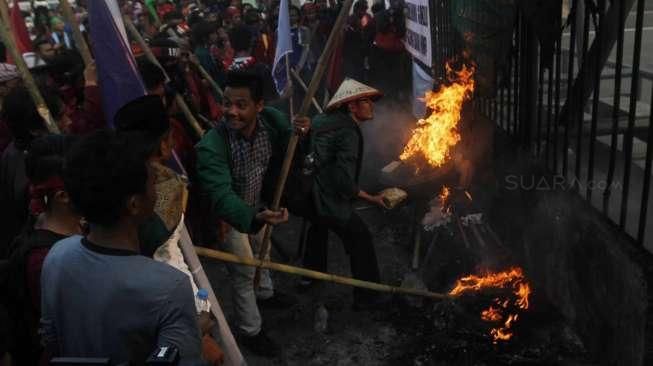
point(570, 78)
point(556, 120)
point(528, 84)
point(628, 138)
point(549, 113)
point(580, 108)
point(508, 84)
point(515, 129)
point(540, 105)
point(495, 105)
point(595, 106)
point(502, 92)
point(616, 107)
point(643, 211)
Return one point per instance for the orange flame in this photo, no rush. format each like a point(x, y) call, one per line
point(437, 134)
point(492, 314)
point(513, 278)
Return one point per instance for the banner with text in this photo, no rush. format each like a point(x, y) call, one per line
point(418, 30)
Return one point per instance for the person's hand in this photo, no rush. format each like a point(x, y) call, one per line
point(90, 75)
point(205, 322)
point(379, 201)
point(302, 125)
point(272, 217)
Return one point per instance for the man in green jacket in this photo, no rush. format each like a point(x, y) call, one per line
point(236, 164)
point(339, 152)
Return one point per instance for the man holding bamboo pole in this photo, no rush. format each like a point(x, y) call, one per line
point(236, 161)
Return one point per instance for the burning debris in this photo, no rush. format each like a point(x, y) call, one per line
point(504, 311)
point(436, 135)
point(440, 211)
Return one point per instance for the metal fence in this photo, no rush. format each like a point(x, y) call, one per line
point(580, 113)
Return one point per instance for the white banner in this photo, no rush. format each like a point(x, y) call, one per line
point(418, 30)
point(422, 82)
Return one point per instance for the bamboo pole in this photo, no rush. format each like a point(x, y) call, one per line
point(253, 262)
point(303, 85)
point(294, 139)
point(208, 77)
point(150, 56)
point(28, 80)
point(80, 42)
point(233, 356)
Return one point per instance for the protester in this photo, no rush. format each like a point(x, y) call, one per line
point(60, 36)
point(340, 150)
point(242, 42)
point(25, 124)
point(9, 79)
point(204, 36)
point(142, 303)
point(388, 52)
point(52, 219)
point(159, 236)
point(236, 164)
point(358, 40)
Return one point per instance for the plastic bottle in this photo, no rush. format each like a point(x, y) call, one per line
point(203, 300)
point(321, 319)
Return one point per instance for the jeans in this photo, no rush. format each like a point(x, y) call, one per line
point(248, 317)
point(357, 240)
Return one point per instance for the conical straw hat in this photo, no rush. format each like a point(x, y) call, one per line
point(351, 89)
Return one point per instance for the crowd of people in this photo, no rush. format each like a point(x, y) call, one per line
point(90, 260)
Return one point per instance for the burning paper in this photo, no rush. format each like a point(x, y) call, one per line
point(501, 311)
point(437, 134)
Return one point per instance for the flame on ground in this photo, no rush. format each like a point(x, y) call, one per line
point(437, 134)
point(499, 312)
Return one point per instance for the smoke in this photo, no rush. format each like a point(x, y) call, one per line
point(384, 136)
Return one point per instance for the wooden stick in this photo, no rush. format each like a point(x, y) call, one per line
point(231, 258)
point(303, 85)
point(80, 42)
point(205, 75)
point(28, 80)
point(306, 103)
point(150, 56)
point(232, 352)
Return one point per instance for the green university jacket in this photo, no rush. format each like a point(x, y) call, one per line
point(340, 155)
point(214, 170)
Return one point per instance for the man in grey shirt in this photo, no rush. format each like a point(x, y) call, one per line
point(99, 297)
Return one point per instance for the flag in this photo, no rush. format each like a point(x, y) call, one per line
point(19, 30)
point(284, 47)
point(117, 71)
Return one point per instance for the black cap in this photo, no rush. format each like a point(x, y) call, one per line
point(146, 114)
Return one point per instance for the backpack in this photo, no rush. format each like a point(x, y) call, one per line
point(298, 193)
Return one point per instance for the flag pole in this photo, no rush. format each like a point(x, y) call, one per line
point(294, 139)
point(303, 85)
point(80, 42)
point(150, 56)
point(28, 80)
point(205, 74)
point(290, 87)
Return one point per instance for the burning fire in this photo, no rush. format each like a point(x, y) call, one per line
point(437, 134)
point(499, 311)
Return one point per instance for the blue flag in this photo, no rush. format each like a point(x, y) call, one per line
point(117, 71)
point(284, 46)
